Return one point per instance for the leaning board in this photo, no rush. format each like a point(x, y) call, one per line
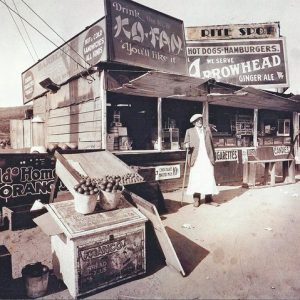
point(99, 163)
point(149, 211)
point(95, 164)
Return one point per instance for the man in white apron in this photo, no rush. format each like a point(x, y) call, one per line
point(201, 160)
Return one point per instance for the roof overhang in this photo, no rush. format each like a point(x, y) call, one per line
point(165, 85)
point(249, 97)
point(157, 84)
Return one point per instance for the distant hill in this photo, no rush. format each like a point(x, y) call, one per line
point(12, 113)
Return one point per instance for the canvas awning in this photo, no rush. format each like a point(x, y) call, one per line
point(249, 97)
point(158, 84)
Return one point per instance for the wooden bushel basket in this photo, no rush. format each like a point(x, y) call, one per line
point(85, 204)
point(109, 200)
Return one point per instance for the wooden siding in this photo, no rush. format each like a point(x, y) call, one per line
point(74, 114)
point(77, 123)
point(20, 133)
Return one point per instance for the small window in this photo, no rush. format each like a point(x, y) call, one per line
point(283, 128)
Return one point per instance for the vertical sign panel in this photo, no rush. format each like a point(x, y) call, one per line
point(141, 36)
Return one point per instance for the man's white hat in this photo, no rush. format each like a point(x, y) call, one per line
point(195, 117)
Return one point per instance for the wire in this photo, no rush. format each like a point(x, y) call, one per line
point(60, 48)
point(26, 32)
point(54, 31)
point(19, 31)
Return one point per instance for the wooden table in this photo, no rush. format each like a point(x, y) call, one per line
point(250, 170)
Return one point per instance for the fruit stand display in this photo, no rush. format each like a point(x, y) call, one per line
point(102, 239)
point(98, 218)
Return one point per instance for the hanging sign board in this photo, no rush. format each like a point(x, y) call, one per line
point(78, 54)
point(233, 31)
point(140, 36)
point(257, 62)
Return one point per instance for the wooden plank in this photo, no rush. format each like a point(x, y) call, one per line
point(252, 175)
point(75, 128)
point(38, 134)
point(84, 107)
point(272, 173)
point(266, 173)
point(100, 163)
point(269, 160)
point(245, 173)
point(292, 171)
point(75, 137)
point(149, 210)
point(16, 134)
point(288, 170)
point(285, 175)
point(89, 145)
point(66, 173)
point(75, 118)
point(27, 133)
point(39, 106)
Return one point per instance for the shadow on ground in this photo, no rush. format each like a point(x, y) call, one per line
point(15, 289)
point(226, 195)
point(189, 253)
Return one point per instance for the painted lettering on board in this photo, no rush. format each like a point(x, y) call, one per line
point(21, 181)
point(243, 62)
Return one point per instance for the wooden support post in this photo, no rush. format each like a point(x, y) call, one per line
point(272, 173)
point(245, 174)
point(266, 173)
point(296, 132)
point(285, 175)
point(255, 124)
point(205, 113)
point(103, 99)
point(159, 123)
point(252, 174)
point(291, 171)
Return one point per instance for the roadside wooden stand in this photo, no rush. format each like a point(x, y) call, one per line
point(98, 250)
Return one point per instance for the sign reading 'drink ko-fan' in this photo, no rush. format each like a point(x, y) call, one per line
point(256, 62)
point(140, 36)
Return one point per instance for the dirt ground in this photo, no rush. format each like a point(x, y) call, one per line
point(246, 248)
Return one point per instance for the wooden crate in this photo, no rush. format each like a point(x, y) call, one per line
point(21, 134)
point(98, 250)
point(95, 164)
point(18, 217)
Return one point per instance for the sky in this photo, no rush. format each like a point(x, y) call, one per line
point(69, 17)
